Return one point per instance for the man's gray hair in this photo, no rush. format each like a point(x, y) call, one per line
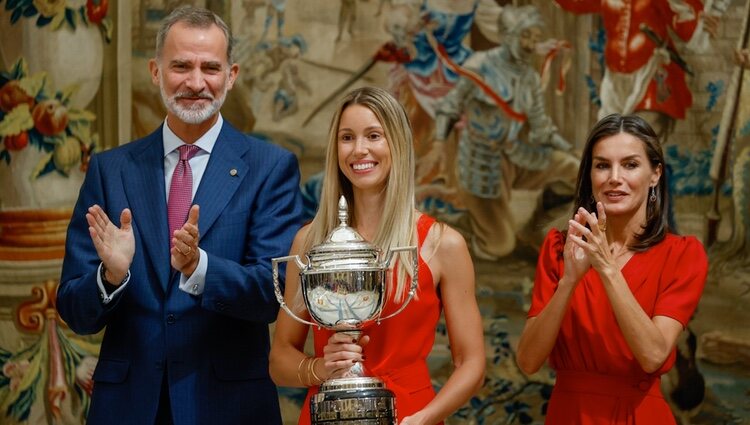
point(194, 17)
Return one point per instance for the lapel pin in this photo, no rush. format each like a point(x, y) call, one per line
point(233, 172)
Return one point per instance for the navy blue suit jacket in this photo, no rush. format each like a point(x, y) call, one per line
point(214, 346)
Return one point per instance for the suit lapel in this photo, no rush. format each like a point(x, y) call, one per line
point(143, 178)
point(224, 173)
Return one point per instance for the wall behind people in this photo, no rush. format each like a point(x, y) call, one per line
point(296, 56)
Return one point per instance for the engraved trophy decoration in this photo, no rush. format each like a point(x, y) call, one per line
point(343, 286)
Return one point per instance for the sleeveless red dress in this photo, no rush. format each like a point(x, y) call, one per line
point(399, 346)
point(599, 381)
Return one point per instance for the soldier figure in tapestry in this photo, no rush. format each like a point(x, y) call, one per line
point(507, 141)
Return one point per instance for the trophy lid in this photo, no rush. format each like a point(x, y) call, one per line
point(344, 248)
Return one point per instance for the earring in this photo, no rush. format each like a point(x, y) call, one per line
point(652, 197)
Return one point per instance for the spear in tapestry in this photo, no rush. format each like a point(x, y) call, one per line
point(726, 131)
point(388, 52)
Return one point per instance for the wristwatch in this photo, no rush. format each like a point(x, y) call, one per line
point(107, 289)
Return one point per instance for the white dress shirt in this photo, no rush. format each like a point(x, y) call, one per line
point(193, 285)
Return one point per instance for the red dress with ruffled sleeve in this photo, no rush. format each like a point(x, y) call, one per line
point(599, 381)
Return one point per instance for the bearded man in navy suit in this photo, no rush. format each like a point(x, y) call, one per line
point(186, 311)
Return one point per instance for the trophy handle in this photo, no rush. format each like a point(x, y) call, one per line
point(414, 279)
point(277, 288)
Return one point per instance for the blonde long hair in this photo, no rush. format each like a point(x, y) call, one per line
point(397, 224)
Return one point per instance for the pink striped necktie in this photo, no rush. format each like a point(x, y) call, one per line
point(181, 190)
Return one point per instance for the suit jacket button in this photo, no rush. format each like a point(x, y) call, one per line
point(170, 319)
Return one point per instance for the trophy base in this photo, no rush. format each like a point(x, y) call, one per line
point(353, 401)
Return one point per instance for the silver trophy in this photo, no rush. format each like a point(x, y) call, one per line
point(343, 286)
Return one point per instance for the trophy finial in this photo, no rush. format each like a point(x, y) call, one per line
point(343, 211)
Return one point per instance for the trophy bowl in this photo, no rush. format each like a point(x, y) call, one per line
point(344, 300)
point(343, 286)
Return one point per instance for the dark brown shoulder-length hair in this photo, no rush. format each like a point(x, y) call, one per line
point(657, 223)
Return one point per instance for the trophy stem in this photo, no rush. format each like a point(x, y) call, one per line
point(354, 333)
point(357, 370)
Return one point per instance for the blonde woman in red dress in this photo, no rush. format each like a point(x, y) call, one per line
point(613, 293)
point(370, 160)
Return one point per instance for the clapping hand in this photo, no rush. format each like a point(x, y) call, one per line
point(184, 254)
point(591, 241)
point(115, 246)
point(576, 261)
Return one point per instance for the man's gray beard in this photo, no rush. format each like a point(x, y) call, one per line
point(191, 115)
point(196, 114)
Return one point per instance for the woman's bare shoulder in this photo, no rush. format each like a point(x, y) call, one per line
point(445, 241)
point(452, 240)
